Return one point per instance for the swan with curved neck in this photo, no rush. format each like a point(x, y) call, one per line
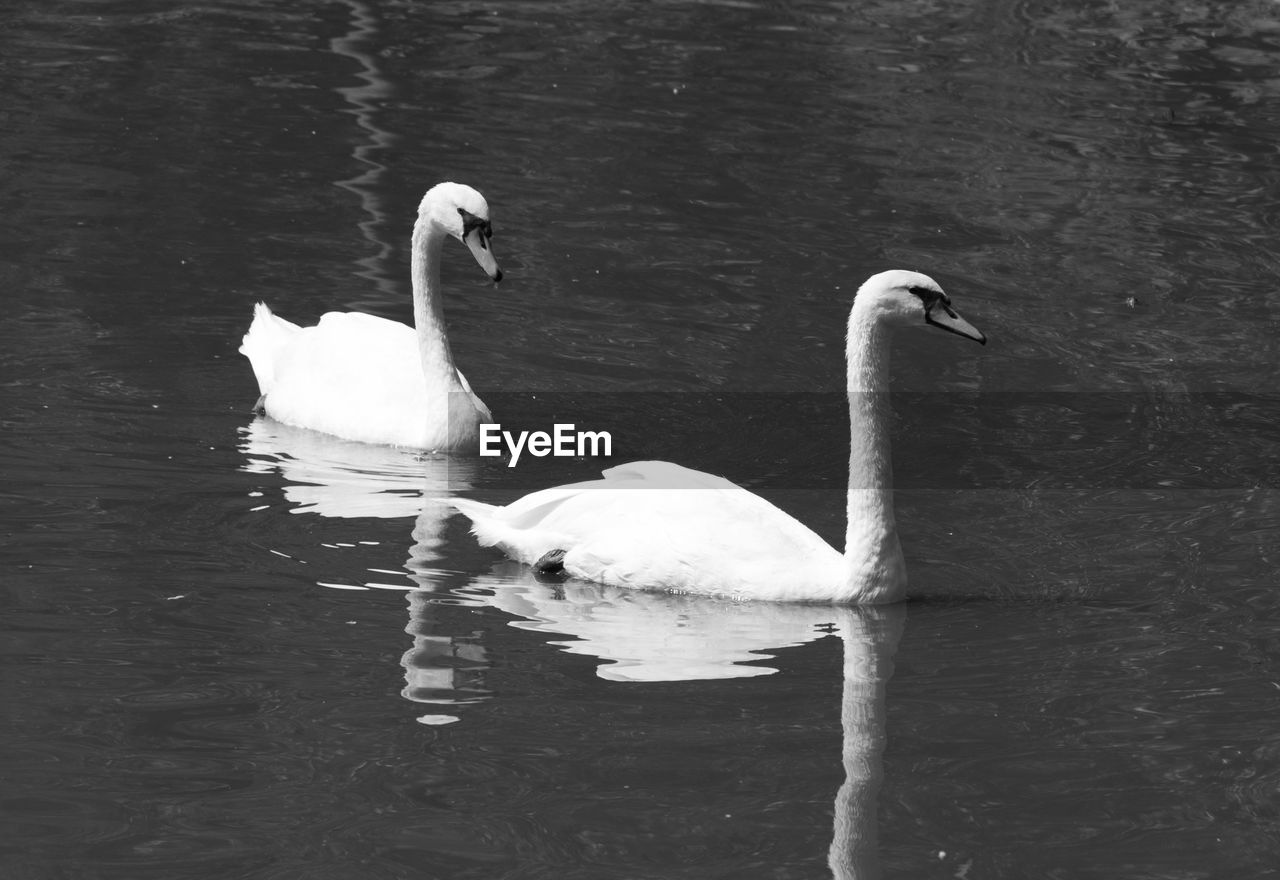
point(365, 378)
point(656, 525)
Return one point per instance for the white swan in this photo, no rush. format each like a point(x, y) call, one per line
point(365, 378)
point(655, 525)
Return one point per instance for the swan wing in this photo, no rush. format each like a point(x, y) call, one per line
point(660, 474)
point(354, 375)
point(658, 525)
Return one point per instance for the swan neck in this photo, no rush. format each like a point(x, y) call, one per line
point(870, 641)
point(875, 570)
point(428, 307)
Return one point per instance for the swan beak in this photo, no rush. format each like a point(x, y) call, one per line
point(483, 252)
point(942, 315)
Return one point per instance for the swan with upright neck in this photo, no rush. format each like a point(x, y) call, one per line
point(365, 378)
point(656, 525)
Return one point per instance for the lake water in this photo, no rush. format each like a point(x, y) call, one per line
point(233, 649)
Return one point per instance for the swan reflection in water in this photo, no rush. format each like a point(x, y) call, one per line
point(658, 637)
point(344, 479)
point(336, 478)
point(640, 636)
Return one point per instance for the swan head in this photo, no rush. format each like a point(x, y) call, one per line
point(911, 299)
point(462, 212)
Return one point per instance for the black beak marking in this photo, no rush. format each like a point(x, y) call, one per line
point(471, 221)
point(937, 299)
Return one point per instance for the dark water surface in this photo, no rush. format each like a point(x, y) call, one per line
point(233, 649)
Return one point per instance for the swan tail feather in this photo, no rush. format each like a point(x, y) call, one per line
point(473, 510)
point(486, 521)
point(514, 532)
point(267, 335)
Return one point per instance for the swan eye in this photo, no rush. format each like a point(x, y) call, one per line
point(471, 221)
point(932, 299)
point(928, 296)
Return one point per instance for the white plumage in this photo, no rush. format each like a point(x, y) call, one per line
point(656, 525)
point(365, 378)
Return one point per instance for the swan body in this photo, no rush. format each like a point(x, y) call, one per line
point(656, 525)
point(365, 378)
point(653, 524)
